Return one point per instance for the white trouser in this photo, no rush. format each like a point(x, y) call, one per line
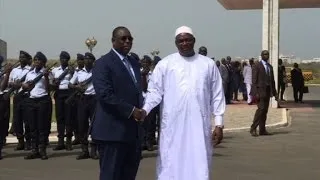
point(248, 86)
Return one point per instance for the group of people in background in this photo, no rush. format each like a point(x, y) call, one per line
point(237, 77)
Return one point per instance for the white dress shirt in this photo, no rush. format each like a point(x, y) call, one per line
point(17, 73)
point(39, 89)
point(80, 77)
point(56, 72)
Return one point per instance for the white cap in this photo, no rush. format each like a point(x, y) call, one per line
point(183, 29)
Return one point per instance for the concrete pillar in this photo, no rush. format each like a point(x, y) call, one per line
point(3, 49)
point(270, 36)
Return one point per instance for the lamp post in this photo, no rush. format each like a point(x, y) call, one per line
point(155, 53)
point(91, 43)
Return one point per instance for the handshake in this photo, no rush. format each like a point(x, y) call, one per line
point(139, 114)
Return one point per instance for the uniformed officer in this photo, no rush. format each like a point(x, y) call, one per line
point(38, 106)
point(20, 125)
point(4, 76)
point(62, 76)
point(80, 63)
point(82, 82)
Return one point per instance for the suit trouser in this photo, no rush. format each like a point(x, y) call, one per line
point(119, 160)
point(63, 114)
point(297, 93)
point(37, 112)
point(20, 123)
point(149, 127)
point(86, 109)
point(260, 116)
point(281, 89)
point(3, 123)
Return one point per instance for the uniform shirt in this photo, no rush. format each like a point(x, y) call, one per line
point(39, 89)
point(56, 72)
point(17, 73)
point(80, 76)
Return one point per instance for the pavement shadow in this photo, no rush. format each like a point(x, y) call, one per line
point(16, 154)
point(63, 154)
point(150, 154)
point(307, 104)
point(280, 132)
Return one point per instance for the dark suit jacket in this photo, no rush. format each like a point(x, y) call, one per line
point(259, 79)
point(117, 94)
point(297, 79)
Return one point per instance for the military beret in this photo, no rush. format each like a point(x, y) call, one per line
point(156, 59)
point(64, 55)
point(146, 57)
point(80, 56)
point(89, 56)
point(40, 56)
point(135, 56)
point(25, 54)
point(1, 59)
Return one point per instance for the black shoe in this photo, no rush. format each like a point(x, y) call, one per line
point(69, 144)
point(93, 152)
point(76, 141)
point(43, 154)
point(33, 155)
point(20, 145)
point(83, 155)
point(84, 152)
point(27, 146)
point(253, 132)
point(1, 154)
point(60, 145)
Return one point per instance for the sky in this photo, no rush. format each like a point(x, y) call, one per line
point(52, 26)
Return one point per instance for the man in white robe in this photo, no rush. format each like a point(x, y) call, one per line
point(247, 79)
point(189, 88)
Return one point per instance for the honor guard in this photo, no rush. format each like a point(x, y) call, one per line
point(80, 63)
point(20, 124)
point(82, 83)
point(62, 76)
point(4, 104)
point(38, 106)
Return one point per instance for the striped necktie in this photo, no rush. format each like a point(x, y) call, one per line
point(129, 68)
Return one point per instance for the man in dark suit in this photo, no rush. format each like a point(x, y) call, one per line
point(297, 81)
point(115, 128)
point(263, 88)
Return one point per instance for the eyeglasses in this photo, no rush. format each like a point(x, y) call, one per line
point(124, 38)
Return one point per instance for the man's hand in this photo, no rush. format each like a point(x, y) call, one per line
point(45, 72)
point(27, 86)
point(145, 71)
point(217, 136)
point(139, 114)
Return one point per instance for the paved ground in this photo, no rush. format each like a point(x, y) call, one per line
point(238, 116)
point(291, 153)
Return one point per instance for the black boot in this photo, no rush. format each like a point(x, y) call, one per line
point(84, 152)
point(60, 145)
point(20, 145)
point(33, 155)
point(76, 141)
point(93, 152)
point(69, 144)
point(27, 146)
point(43, 153)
